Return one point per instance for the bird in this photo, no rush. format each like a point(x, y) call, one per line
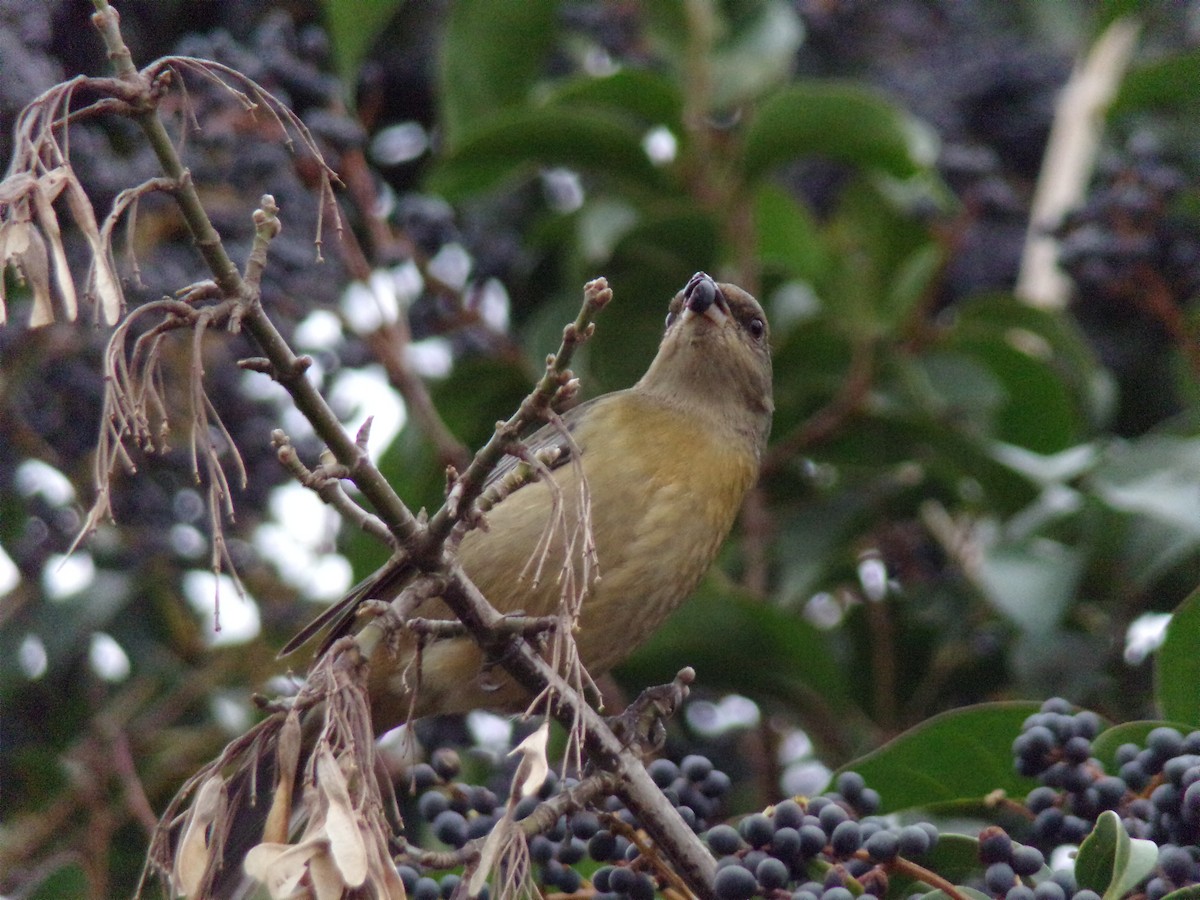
point(641, 488)
point(635, 493)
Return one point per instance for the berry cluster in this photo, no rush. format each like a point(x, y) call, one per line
point(457, 812)
point(1155, 791)
point(833, 835)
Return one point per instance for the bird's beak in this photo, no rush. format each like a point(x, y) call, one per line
point(702, 297)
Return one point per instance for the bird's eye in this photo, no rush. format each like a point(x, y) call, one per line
point(757, 328)
point(670, 319)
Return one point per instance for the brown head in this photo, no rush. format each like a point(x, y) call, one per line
point(715, 359)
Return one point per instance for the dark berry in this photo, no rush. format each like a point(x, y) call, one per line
point(786, 845)
point(1027, 861)
point(723, 839)
point(695, 768)
point(426, 889)
point(1165, 742)
point(850, 785)
point(1110, 790)
point(812, 840)
point(643, 888)
point(1040, 798)
point(832, 816)
point(600, 879)
point(602, 846)
point(431, 804)
point(423, 777)
point(569, 881)
point(1049, 890)
point(450, 828)
point(1019, 892)
point(409, 876)
point(715, 784)
point(882, 846)
point(570, 851)
point(914, 842)
point(663, 772)
point(788, 814)
point(756, 830)
point(868, 801)
point(994, 846)
point(999, 877)
point(541, 849)
point(1077, 749)
point(446, 763)
point(449, 884)
point(846, 838)
point(735, 883)
point(772, 873)
point(621, 879)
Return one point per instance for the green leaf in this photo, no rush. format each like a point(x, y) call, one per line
point(1177, 665)
point(1032, 582)
point(760, 54)
point(354, 26)
point(646, 96)
point(840, 121)
point(736, 642)
point(1187, 893)
point(955, 857)
point(492, 53)
point(911, 282)
point(1095, 864)
point(957, 757)
point(973, 893)
point(1168, 84)
point(1110, 862)
point(788, 235)
point(515, 142)
point(1154, 476)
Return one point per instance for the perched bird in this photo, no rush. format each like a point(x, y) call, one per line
point(649, 478)
point(641, 488)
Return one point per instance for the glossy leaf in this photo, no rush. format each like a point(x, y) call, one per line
point(955, 758)
point(739, 643)
point(955, 858)
point(1177, 664)
point(1155, 476)
point(788, 235)
point(492, 53)
point(964, 890)
point(354, 25)
point(1032, 582)
point(839, 121)
point(760, 54)
point(646, 96)
point(1167, 83)
point(514, 142)
point(1110, 862)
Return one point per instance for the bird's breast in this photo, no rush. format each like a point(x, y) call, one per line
point(654, 491)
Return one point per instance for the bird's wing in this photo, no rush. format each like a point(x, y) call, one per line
point(386, 581)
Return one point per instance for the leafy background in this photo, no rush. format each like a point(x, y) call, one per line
point(969, 498)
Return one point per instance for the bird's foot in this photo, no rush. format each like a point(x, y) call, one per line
point(643, 724)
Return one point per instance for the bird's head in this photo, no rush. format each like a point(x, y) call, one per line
point(715, 358)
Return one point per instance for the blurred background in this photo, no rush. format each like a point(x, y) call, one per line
point(974, 492)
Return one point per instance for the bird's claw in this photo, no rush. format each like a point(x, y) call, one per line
point(643, 724)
